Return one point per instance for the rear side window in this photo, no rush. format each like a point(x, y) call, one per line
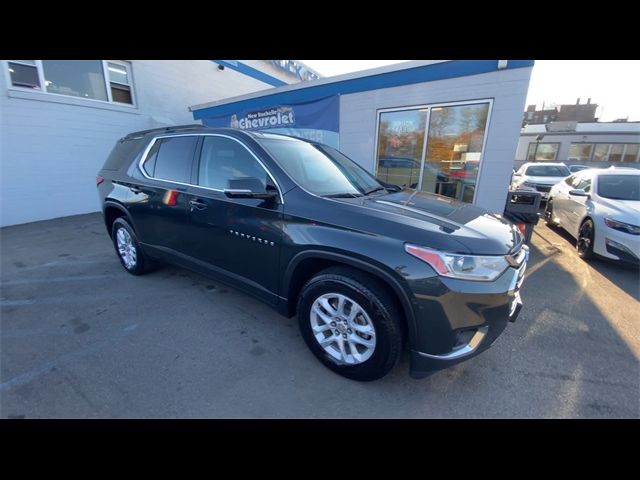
point(172, 159)
point(223, 159)
point(122, 154)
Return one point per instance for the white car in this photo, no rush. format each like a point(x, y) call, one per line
point(539, 177)
point(601, 209)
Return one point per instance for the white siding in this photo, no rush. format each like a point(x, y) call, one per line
point(507, 88)
point(51, 147)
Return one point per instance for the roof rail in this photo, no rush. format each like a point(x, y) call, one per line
point(175, 128)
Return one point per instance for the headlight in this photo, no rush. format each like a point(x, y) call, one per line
point(483, 268)
point(623, 227)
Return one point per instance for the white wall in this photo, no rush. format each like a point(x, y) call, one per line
point(51, 147)
point(507, 88)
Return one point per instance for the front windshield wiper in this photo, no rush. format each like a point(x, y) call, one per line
point(374, 189)
point(342, 195)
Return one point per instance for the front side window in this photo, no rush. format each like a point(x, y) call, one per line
point(174, 159)
point(584, 184)
point(223, 159)
point(542, 152)
point(320, 169)
point(619, 187)
point(107, 81)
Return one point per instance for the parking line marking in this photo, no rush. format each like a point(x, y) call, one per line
point(78, 278)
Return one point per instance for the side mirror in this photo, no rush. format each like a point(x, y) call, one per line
point(248, 187)
point(578, 192)
point(516, 174)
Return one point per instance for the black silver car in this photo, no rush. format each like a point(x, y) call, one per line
point(367, 271)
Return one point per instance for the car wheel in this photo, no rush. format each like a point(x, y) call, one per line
point(584, 246)
point(548, 214)
point(350, 323)
point(128, 249)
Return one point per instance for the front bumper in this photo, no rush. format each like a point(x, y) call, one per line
point(463, 319)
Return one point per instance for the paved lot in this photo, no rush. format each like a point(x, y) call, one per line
point(81, 338)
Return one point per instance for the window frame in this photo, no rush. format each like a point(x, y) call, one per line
point(429, 107)
point(196, 161)
point(533, 144)
point(43, 86)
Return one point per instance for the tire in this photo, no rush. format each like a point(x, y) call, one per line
point(132, 259)
point(586, 236)
point(548, 214)
point(378, 315)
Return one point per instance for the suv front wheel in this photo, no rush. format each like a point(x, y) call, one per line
point(350, 323)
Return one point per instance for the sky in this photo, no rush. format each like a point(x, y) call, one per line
point(613, 84)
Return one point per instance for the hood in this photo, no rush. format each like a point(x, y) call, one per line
point(478, 230)
point(621, 210)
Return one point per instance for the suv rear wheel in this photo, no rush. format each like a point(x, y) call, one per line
point(128, 249)
point(350, 323)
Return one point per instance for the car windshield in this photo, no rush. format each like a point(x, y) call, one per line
point(619, 187)
point(548, 171)
point(320, 169)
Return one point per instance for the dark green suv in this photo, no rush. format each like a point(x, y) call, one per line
point(367, 268)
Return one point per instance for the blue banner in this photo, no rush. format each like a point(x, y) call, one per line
point(317, 120)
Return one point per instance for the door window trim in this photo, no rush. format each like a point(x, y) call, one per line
point(148, 148)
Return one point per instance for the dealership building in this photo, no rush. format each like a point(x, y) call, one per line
point(447, 127)
point(59, 119)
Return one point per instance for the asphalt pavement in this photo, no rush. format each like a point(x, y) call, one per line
point(81, 338)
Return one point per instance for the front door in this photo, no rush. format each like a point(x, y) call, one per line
point(238, 238)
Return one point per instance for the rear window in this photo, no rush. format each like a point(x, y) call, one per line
point(122, 154)
point(548, 171)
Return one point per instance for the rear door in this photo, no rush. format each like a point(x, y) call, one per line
point(159, 204)
point(236, 237)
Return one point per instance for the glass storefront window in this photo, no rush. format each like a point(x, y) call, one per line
point(615, 154)
point(600, 153)
point(454, 147)
point(454, 143)
point(542, 152)
point(400, 144)
point(580, 152)
point(631, 153)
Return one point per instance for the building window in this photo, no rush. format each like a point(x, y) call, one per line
point(615, 153)
point(601, 152)
point(106, 81)
point(542, 152)
point(580, 152)
point(631, 152)
point(454, 143)
point(24, 74)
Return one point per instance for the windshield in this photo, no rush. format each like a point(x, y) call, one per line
point(619, 187)
point(320, 169)
point(548, 171)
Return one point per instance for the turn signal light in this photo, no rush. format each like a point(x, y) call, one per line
point(99, 180)
point(523, 229)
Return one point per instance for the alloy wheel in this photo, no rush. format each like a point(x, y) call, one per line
point(343, 328)
point(126, 248)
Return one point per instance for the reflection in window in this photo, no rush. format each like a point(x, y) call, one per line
point(631, 153)
point(600, 153)
point(24, 73)
point(454, 148)
point(400, 142)
point(580, 152)
point(615, 154)
point(78, 78)
point(542, 152)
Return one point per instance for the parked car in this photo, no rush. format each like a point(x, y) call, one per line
point(601, 209)
point(539, 177)
point(577, 168)
point(308, 231)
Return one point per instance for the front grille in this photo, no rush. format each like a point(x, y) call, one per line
point(543, 188)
